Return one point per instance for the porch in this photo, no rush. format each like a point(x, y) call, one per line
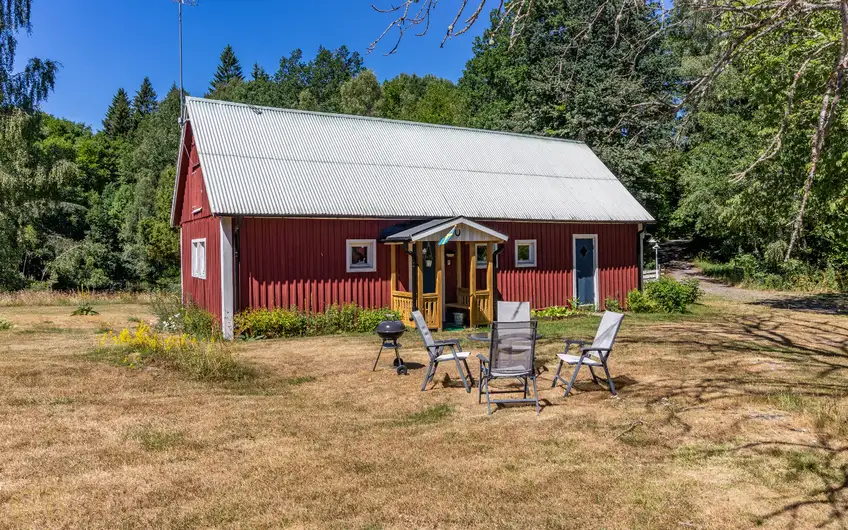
point(452, 268)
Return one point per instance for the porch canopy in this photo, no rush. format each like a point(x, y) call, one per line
point(412, 236)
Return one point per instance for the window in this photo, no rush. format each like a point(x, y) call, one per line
point(198, 258)
point(482, 257)
point(525, 253)
point(361, 255)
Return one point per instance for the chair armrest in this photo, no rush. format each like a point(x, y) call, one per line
point(483, 358)
point(447, 342)
point(573, 342)
point(602, 352)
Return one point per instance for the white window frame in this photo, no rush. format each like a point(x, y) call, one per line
point(574, 239)
point(533, 253)
point(372, 255)
point(198, 266)
point(482, 263)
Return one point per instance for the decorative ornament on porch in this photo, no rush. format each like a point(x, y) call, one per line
point(452, 232)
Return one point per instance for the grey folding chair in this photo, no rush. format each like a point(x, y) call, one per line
point(436, 351)
point(512, 355)
point(593, 356)
point(514, 311)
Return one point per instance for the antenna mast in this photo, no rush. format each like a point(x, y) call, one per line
point(180, 3)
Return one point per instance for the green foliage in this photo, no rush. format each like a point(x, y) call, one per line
point(264, 323)
point(639, 302)
point(664, 296)
point(554, 312)
point(229, 70)
point(175, 317)
point(361, 94)
point(794, 275)
point(118, 122)
point(25, 89)
point(84, 309)
point(5, 325)
point(612, 304)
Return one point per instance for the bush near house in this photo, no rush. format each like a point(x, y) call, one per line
point(664, 296)
point(771, 272)
point(264, 323)
point(175, 317)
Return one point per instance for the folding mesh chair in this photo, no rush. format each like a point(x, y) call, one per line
point(436, 351)
point(594, 356)
point(512, 355)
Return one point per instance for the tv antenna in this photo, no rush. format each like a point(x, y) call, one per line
point(180, 3)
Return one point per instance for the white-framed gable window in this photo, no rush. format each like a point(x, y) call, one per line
point(361, 255)
point(198, 258)
point(525, 252)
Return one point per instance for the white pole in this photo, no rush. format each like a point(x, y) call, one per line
point(657, 260)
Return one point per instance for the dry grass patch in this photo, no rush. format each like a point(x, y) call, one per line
point(727, 418)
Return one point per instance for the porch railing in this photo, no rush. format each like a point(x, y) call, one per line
point(430, 308)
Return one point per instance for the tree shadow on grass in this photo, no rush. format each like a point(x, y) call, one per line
point(829, 304)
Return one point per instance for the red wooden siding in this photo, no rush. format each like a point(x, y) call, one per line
point(206, 293)
point(192, 193)
point(551, 281)
point(301, 263)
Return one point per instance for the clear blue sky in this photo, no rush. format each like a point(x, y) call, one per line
point(107, 44)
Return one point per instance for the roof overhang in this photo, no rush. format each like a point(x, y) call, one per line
point(435, 230)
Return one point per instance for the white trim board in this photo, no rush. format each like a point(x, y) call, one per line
point(227, 288)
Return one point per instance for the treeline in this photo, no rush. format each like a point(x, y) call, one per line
point(92, 209)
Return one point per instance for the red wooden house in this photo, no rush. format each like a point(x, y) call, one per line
point(284, 208)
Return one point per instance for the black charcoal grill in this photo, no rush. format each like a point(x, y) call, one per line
point(389, 332)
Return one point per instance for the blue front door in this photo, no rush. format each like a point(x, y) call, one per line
point(584, 254)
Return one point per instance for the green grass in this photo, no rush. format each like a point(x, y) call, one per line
point(152, 439)
point(428, 416)
point(721, 271)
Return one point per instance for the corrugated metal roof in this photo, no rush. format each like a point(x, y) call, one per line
point(279, 162)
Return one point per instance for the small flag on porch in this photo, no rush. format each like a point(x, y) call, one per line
point(448, 236)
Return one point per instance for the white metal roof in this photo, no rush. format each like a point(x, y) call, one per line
point(277, 162)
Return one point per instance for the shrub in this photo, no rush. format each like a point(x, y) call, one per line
point(639, 302)
point(664, 296)
point(5, 324)
point(554, 312)
point(612, 304)
point(202, 360)
point(264, 323)
point(84, 309)
point(670, 296)
point(172, 316)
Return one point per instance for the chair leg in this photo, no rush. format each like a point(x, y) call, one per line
point(573, 377)
point(462, 375)
point(609, 380)
point(557, 377)
point(488, 399)
point(525, 388)
point(594, 377)
point(430, 368)
point(378, 358)
point(468, 370)
point(536, 395)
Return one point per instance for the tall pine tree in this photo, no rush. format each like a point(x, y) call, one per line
point(119, 118)
point(145, 102)
point(229, 70)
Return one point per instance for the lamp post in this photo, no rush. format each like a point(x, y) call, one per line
point(656, 246)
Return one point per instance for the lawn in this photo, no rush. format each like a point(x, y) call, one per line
point(730, 417)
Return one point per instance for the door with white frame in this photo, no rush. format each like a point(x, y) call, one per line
point(585, 267)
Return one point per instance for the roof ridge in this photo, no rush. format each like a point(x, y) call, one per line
point(190, 99)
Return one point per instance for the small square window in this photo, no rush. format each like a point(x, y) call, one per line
point(482, 256)
point(361, 255)
point(525, 253)
point(198, 258)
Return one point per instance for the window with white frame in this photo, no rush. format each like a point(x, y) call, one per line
point(482, 256)
point(361, 255)
point(198, 258)
point(525, 253)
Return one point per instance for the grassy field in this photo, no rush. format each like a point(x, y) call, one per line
point(732, 417)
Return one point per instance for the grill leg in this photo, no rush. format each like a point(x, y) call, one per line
point(378, 359)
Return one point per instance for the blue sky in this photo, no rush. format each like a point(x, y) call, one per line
point(107, 44)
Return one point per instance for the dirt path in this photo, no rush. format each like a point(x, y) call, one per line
point(823, 303)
